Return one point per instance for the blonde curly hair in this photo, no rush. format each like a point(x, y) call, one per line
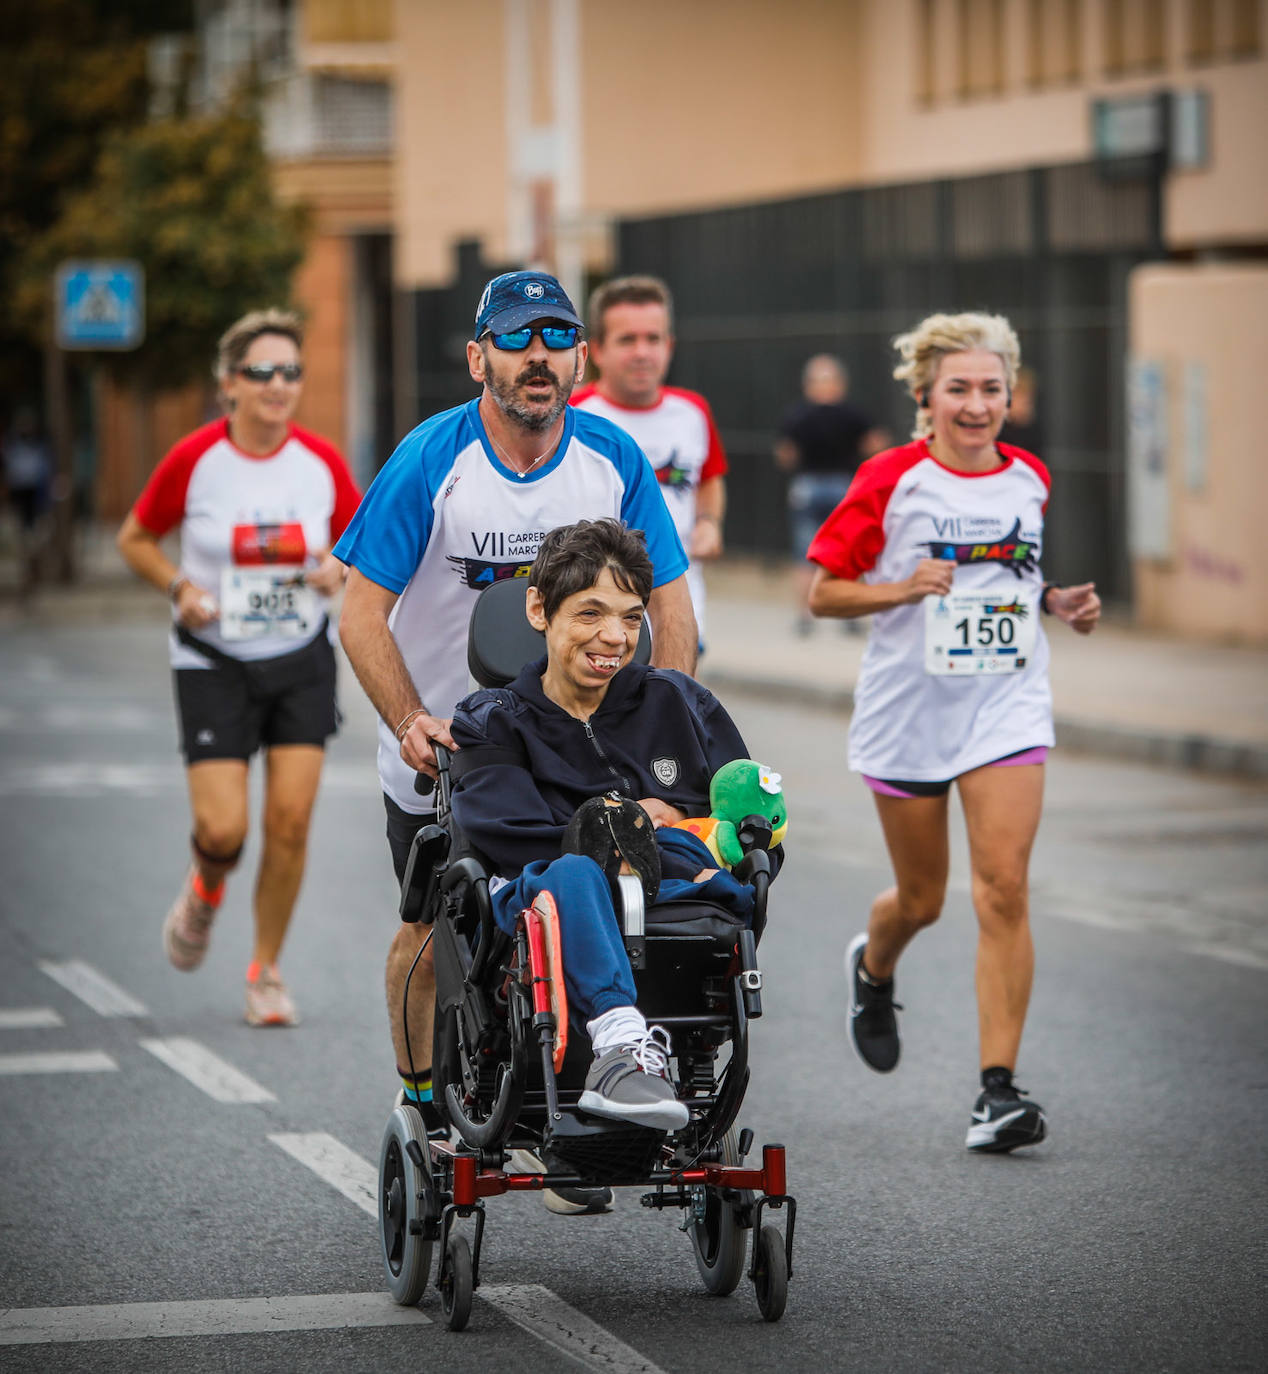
point(923, 348)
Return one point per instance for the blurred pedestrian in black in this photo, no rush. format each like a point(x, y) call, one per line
point(822, 441)
point(28, 471)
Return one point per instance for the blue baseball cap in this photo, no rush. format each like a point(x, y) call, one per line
point(518, 298)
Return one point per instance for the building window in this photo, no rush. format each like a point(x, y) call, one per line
point(979, 48)
point(925, 89)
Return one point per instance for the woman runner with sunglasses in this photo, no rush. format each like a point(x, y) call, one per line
point(258, 502)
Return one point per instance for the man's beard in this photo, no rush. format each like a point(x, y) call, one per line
point(535, 420)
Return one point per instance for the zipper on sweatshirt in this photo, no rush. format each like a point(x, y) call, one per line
point(607, 762)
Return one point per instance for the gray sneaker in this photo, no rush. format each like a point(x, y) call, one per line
point(187, 929)
point(630, 1083)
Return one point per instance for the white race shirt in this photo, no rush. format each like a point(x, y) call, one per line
point(903, 506)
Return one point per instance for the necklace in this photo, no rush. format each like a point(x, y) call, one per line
point(519, 472)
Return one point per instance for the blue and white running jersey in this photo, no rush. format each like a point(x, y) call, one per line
point(444, 519)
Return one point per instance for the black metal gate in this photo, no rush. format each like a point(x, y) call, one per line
point(759, 288)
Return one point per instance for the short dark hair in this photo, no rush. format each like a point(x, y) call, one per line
point(627, 291)
point(571, 557)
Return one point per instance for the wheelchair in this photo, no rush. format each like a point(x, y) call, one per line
point(505, 1082)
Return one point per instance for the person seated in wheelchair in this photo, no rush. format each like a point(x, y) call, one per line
point(557, 761)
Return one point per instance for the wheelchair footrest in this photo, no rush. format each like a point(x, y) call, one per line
point(601, 1150)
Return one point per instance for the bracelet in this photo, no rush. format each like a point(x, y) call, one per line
point(704, 515)
point(1043, 595)
point(400, 730)
point(175, 585)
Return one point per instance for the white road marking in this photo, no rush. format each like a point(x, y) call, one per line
point(90, 986)
point(539, 1312)
point(208, 1317)
point(85, 781)
point(28, 1018)
point(530, 1306)
point(333, 1162)
point(57, 1061)
point(105, 717)
point(207, 1071)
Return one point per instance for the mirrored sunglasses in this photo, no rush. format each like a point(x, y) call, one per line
point(554, 336)
point(265, 372)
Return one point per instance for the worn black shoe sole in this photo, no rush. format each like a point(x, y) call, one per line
point(613, 828)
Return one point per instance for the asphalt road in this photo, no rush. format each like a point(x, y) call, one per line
point(1133, 1240)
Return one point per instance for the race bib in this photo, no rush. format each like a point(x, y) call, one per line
point(975, 632)
point(267, 601)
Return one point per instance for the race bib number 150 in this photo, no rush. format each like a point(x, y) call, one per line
point(973, 632)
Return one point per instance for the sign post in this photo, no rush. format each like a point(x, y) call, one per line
point(96, 304)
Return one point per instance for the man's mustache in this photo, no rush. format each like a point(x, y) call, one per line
point(534, 372)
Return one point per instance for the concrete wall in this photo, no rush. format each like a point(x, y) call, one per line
point(1215, 584)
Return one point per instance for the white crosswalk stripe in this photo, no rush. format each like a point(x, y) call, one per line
point(93, 987)
point(28, 1018)
point(207, 1071)
point(204, 1317)
point(339, 1166)
point(57, 1061)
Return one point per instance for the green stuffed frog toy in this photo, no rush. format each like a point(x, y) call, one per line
point(739, 788)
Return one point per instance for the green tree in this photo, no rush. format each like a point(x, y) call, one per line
point(192, 200)
point(74, 71)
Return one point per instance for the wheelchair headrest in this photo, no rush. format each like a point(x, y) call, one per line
point(500, 641)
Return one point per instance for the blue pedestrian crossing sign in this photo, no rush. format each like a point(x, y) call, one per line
point(100, 304)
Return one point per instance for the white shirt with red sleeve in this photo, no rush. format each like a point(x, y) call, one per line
point(237, 510)
point(904, 506)
point(681, 442)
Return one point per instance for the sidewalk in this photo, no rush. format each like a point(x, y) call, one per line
point(1120, 692)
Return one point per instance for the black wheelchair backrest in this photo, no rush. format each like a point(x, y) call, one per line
point(500, 641)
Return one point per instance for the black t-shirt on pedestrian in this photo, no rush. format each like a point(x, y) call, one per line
point(827, 436)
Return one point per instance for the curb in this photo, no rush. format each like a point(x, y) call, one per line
point(1192, 753)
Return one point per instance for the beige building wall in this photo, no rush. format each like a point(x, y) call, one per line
point(524, 123)
point(1215, 584)
point(949, 92)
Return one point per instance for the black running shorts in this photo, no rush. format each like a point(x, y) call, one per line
point(228, 711)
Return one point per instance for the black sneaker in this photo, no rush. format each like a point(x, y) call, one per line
point(564, 1202)
point(872, 1024)
point(1003, 1120)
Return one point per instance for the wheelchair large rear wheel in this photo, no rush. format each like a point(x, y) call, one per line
point(717, 1238)
point(405, 1191)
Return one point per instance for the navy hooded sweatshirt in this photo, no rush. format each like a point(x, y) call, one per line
point(657, 733)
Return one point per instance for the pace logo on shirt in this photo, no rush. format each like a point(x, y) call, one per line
point(259, 543)
point(1018, 554)
point(479, 573)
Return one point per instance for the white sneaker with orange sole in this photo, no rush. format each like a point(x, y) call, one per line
point(269, 1002)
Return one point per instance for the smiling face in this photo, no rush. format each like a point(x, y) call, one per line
point(589, 639)
point(633, 357)
point(264, 405)
point(968, 402)
point(532, 387)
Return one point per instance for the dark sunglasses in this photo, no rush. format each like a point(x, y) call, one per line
point(265, 372)
point(554, 336)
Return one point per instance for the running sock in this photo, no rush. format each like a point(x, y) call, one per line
point(417, 1086)
point(417, 1089)
point(620, 1026)
point(997, 1077)
point(213, 896)
point(881, 983)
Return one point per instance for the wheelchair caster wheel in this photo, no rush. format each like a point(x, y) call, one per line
point(770, 1273)
point(717, 1238)
point(405, 1191)
point(457, 1286)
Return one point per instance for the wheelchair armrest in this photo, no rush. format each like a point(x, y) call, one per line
point(428, 850)
point(469, 873)
point(754, 871)
point(754, 832)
